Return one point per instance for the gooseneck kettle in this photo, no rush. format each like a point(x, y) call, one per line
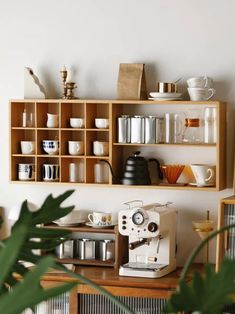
point(136, 171)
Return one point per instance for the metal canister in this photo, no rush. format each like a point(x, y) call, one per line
point(150, 130)
point(86, 249)
point(124, 129)
point(137, 129)
point(65, 249)
point(159, 135)
point(106, 250)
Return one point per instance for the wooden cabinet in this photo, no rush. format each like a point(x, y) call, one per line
point(97, 234)
point(37, 130)
point(226, 240)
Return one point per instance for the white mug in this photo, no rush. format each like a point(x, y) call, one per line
point(100, 148)
point(200, 82)
point(204, 174)
point(51, 147)
point(52, 120)
point(27, 147)
point(102, 123)
point(100, 219)
point(26, 172)
point(76, 172)
point(76, 147)
point(50, 172)
point(201, 94)
point(76, 122)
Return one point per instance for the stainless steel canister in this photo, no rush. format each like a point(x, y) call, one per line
point(65, 249)
point(124, 129)
point(137, 129)
point(150, 130)
point(106, 250)
point(160, 130)
point(86, 249)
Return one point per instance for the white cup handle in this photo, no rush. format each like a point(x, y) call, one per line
point(77, 150)
point(206, 81)
point(211, 174)
point(90, 217)
point(212, 92)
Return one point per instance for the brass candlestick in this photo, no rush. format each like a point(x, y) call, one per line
point(70, 86)
point(203, 227)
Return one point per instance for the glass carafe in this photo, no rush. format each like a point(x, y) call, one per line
point(193, 130)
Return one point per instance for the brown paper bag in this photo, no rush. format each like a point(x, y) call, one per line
point(131, 81)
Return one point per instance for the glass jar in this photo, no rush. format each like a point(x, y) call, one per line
point(210, 125)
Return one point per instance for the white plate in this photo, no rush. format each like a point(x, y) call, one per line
point(164, 99)
point(97, 226)
point(69, 224)
point(200, 186)
point(165, 95)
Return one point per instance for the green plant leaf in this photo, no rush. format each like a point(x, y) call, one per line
point(10, 252)
point(51, 210)
point(28, 292)
point(206, 294)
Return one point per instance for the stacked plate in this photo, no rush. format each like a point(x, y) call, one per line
point(165, 96)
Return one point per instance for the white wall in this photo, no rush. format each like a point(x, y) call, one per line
point(173, 38)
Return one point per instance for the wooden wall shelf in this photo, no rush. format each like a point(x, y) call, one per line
point(109, 109)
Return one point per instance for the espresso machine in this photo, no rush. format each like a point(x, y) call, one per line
point(152, 239)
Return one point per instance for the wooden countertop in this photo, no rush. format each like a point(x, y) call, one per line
point(109, 277)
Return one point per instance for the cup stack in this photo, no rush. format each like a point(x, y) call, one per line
point(200, 88)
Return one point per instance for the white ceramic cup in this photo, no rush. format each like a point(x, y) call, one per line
point(27, 147)
point(51, 147)
point(50, 172)
point(26, 172)
point(76, 147)
point(204, 174)
point(77, 122)
point(102, 123)
point(100, 148)
point(52, 120)
point(76, 172)
point(201, 94)
point(200, 82)
point(100, 219)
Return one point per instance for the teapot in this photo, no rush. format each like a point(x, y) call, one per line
point(136, 170)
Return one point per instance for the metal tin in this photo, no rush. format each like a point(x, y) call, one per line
point(106, 250)
point(86, 249)
point(159, 135)
point(65, 249)
point(124, 129)
point(150, 130)
point(137, 129)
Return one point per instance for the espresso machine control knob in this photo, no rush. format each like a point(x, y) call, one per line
point(152, 227)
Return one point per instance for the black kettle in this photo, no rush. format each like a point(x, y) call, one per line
point(136, 170)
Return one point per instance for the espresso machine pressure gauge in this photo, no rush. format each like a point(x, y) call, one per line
point(138, 218)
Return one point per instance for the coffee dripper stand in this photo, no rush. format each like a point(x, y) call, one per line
point(192, 127)
point(203, 228)
point(68, 87)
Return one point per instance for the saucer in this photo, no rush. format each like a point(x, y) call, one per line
point(69, 223)
point(200, 186)
point(89, 224)
point(156, 95)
